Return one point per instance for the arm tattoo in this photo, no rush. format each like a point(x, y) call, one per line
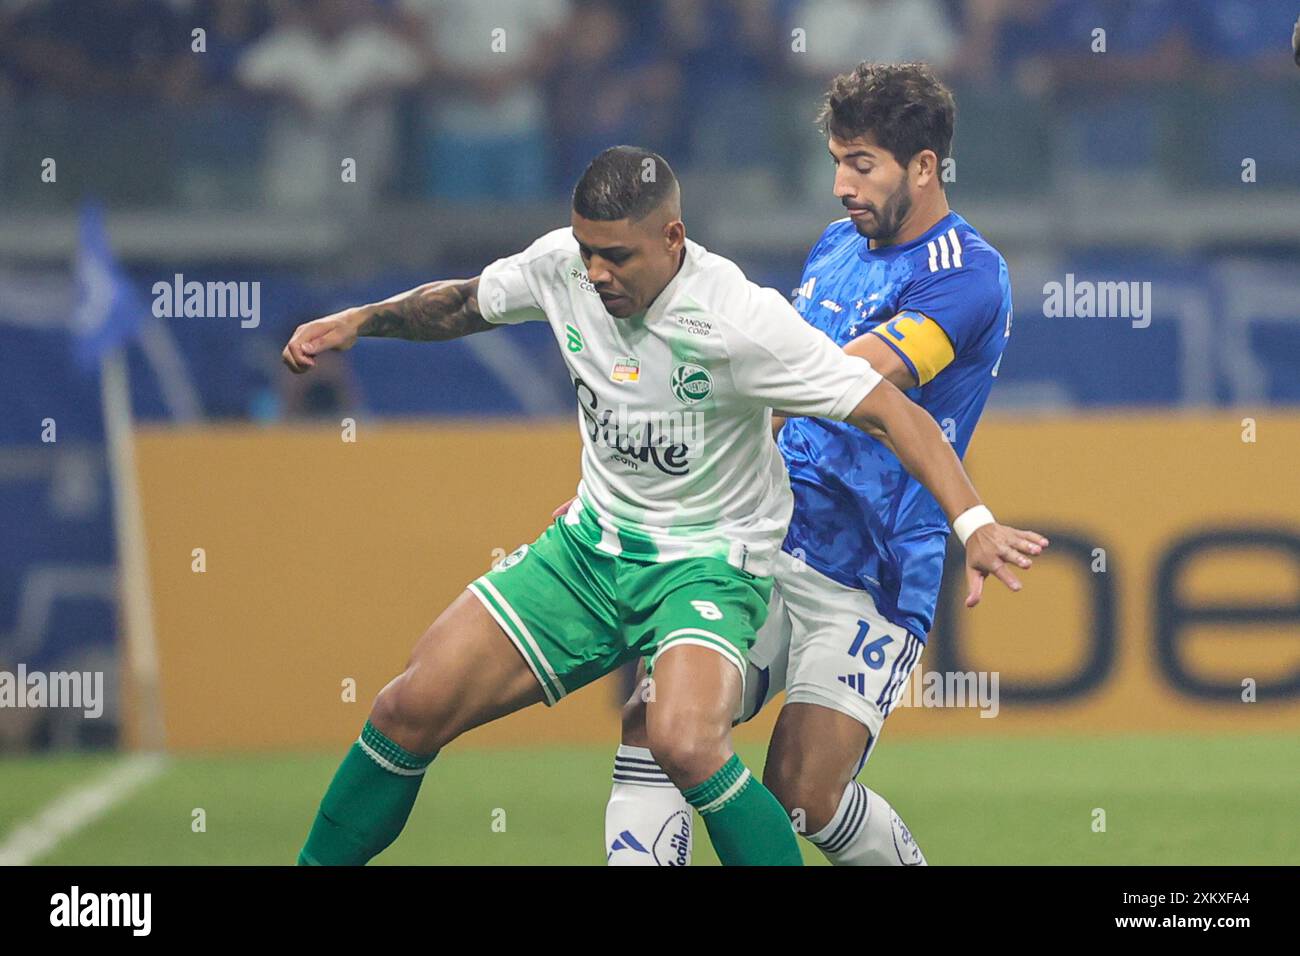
point(432, 312)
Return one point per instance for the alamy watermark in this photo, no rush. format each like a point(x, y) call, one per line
point(208, 300)
point(952, 689)
point(83, 690)
point(133, 911)
point(1084, 299)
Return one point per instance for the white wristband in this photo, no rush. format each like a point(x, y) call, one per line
point(969, 520)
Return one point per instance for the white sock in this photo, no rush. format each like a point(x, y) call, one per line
point(648, 821)
point(866, 831)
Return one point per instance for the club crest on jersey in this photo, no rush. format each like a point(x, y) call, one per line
point(626, 369)
point(511, 559)
point(691, 383)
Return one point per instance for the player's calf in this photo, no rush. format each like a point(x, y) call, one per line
point(850, 823)
point(810, 802)
point(809, 779)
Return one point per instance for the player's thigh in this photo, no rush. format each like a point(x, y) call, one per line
point(764, 676)
point(461, 673)
point(555, 602)
point(521, 633)
point(704, 602)
point(688, 718)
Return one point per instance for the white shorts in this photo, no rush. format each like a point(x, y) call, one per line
point(826, 644)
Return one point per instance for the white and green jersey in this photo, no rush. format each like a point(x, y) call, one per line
point(675, 405)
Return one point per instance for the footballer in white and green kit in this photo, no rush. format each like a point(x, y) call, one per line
point(684, 498)
point(676, 361)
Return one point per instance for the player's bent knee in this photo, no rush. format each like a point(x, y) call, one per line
point(689, 762)
point(688, 752)
point(411, 718)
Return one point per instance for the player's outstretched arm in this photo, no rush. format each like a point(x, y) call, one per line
point(433, 312)
point(991, 548)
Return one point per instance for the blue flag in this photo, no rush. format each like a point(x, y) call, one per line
point(109, 311)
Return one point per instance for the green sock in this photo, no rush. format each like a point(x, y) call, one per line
point(747, 825)
point(367, 802)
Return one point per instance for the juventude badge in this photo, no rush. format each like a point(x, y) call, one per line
point(691, 383)
point(511, 559)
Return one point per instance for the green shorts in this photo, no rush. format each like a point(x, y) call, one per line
point(576, 613)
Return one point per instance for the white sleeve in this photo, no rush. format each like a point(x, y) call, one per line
point(779, 360)
point(508, 289)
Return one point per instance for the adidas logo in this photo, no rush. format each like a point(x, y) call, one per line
point(857, 681)
point(625, 841)
point(945, 251)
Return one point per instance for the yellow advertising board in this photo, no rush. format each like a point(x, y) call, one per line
point(292, 571)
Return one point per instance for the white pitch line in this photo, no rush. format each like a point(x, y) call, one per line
point(78, 808)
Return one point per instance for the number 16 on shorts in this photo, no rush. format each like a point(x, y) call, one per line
point(873, 653)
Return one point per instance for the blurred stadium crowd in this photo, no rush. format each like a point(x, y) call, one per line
point(428, 106)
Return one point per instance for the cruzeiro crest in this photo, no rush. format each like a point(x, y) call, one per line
point(691, 383)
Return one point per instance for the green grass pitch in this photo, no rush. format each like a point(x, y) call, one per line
point(1167, 800)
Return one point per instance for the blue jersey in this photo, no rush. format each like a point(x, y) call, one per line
point(943, 303)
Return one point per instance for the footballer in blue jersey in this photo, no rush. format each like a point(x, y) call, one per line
point(942, 304)
point(908, 284)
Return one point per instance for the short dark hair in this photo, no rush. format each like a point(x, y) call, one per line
point(903, 105)
point(624, 182)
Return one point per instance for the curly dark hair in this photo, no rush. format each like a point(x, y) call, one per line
point(903, 105)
